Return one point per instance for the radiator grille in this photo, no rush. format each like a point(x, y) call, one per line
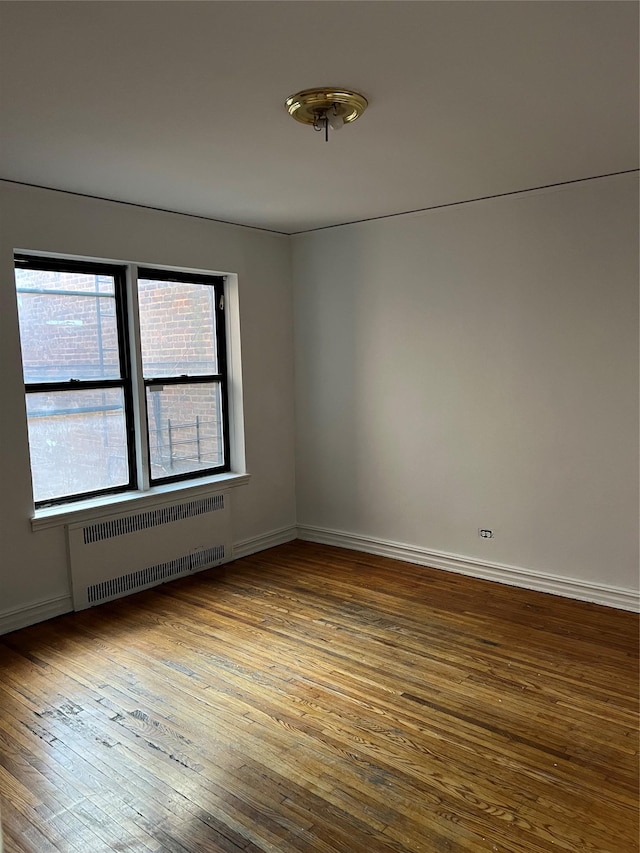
point(151, 518)
point(154, 574)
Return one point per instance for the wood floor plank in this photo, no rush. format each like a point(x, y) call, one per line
point(314, 699)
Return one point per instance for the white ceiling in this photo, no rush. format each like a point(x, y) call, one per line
point(180, 105)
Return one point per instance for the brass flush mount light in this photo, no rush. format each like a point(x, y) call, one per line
point(326, 108)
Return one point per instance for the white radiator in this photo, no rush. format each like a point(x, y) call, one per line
point(124, 554)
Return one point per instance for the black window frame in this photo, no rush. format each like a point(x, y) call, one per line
point(119, 274)
point(127, 314)
point(220, 378)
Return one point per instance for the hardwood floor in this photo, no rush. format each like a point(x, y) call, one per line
point(315, 699)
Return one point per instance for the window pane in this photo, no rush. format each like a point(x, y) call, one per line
point(177, 328)
point(185, 428)
point(78, 442)
point(68, 326)
point(58, 280)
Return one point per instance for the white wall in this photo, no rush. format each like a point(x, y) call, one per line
point(477, 366)
point(33, 566)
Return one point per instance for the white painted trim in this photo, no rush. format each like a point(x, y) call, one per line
point(610, 596)
point(266, 540)
point(235, 393)
point(113, 505)
point(22, 617)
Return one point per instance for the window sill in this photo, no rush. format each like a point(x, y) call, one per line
point(109, 505)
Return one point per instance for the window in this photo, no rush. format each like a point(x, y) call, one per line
point(183, 364)
point(88, 384)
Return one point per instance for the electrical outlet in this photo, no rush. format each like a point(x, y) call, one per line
point(485, 533)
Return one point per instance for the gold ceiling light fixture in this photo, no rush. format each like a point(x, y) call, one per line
point(326, 108)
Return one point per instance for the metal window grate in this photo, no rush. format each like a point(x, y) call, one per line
point(154, 574)
point(151, 518)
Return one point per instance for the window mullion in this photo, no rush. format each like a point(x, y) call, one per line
point(137, 382)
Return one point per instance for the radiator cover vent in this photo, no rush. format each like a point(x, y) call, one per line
point(151, 518)
point(115, 587)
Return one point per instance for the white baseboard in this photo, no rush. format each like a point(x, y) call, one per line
point(22, 617)
point(624, 599)
point(610, 596)
point(266, 540)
